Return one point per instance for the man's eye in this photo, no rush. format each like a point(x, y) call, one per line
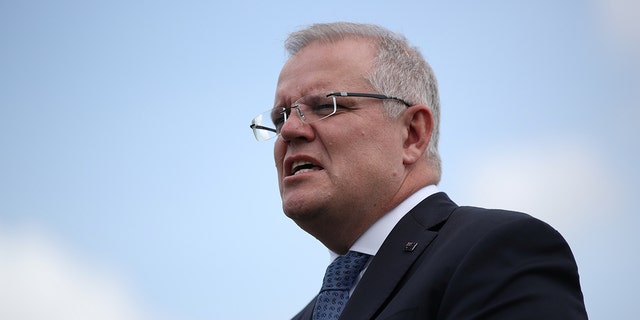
point(278, 121)
point(278, 118)
point(323, 109)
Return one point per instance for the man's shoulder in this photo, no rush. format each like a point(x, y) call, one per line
point(486, 230)
point(441, 205)
point(474, 221)
point(473, 214)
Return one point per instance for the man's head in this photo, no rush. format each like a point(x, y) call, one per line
point(398, 70)
point(339, 175)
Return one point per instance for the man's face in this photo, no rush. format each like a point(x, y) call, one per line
point(353, 159)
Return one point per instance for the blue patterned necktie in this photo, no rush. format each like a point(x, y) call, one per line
point(338, 280)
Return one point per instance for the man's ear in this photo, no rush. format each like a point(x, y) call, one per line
point(418, 122)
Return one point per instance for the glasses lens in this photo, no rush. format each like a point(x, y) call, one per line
point(267, 125)
point(316, 107)
point(263, 126)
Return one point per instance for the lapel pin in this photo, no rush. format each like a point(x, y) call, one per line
point(410, 246)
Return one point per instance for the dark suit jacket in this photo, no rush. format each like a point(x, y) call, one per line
point(469, 263)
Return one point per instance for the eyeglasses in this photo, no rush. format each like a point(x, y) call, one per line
point(310, 109)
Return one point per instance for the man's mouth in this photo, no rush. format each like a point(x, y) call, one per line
point(299, 167)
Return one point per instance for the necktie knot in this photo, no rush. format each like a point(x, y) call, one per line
point(344, 270)
point(338, 280)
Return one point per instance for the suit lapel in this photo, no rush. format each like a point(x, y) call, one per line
point(406, 242)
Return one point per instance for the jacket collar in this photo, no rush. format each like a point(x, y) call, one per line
point(406, 242)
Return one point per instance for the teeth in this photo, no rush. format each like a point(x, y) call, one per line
point(298, 164)
point(302, 171)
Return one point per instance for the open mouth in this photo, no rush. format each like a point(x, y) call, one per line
point(299, 167)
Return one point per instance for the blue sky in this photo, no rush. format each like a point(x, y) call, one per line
point(131, 186)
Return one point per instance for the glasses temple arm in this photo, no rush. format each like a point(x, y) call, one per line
point(366, 95)
point(259, 127)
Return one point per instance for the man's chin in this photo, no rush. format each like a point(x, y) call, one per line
point(300, 211)
point(299, 215)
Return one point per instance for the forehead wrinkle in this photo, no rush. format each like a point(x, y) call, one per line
point(286, 100)
point(321, 67)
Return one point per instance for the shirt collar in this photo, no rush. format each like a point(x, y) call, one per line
point(371, 240)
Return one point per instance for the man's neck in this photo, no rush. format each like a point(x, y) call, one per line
point(371, 239)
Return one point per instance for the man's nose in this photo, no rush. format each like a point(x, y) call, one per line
point(294, 119)
point(298, 111)
point(295, 126)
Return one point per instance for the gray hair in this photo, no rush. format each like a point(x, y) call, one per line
point(399, 70)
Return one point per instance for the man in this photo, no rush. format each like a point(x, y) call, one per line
point(356, 125)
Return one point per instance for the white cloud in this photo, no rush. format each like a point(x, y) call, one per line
point(620, 23)
point(39, 279)
point(560, 182)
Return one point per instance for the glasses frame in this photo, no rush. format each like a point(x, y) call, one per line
point(257, 127)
